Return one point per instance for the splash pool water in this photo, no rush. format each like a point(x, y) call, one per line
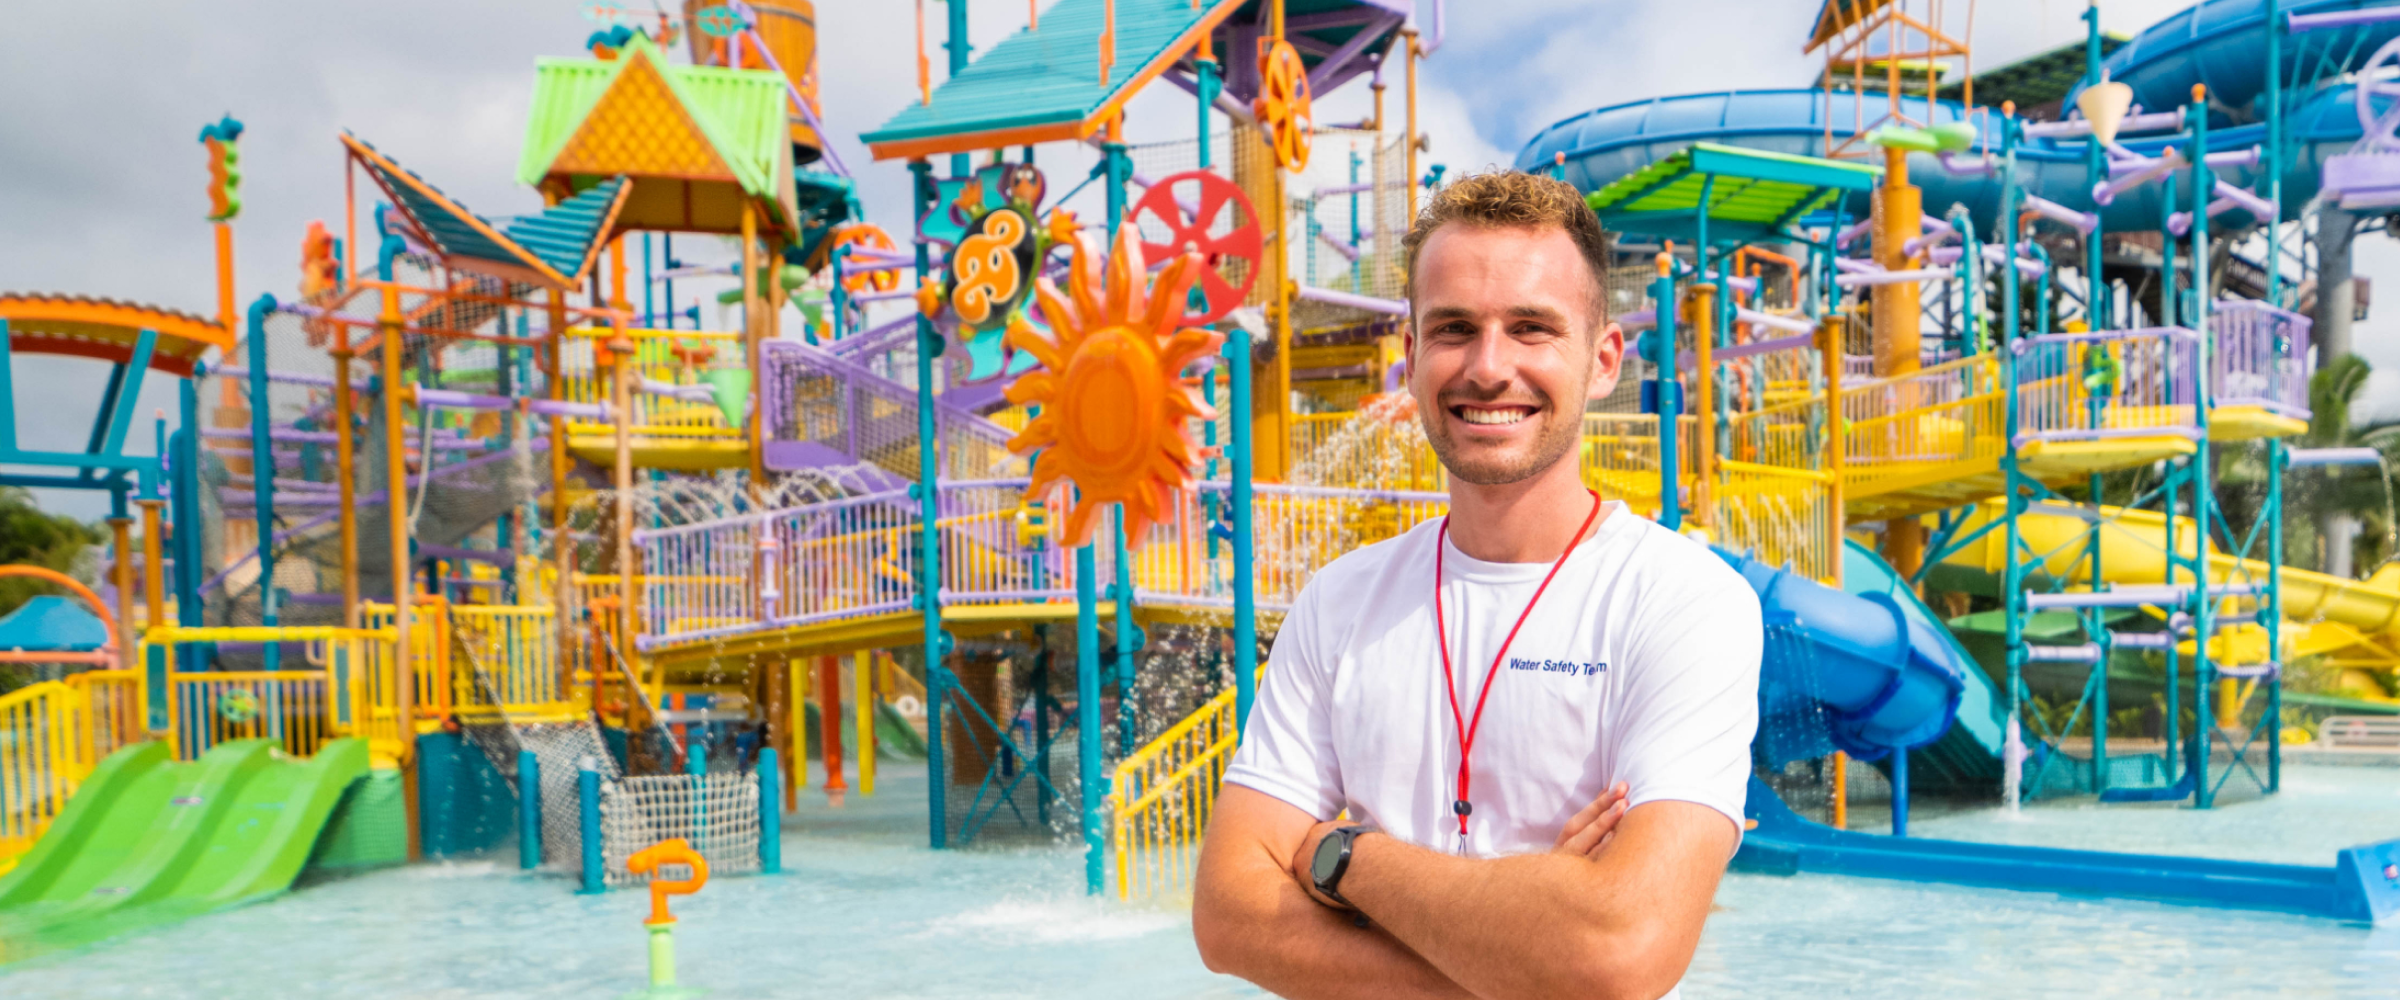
point(867, 911)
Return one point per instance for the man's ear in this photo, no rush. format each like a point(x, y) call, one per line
point(1608, 360)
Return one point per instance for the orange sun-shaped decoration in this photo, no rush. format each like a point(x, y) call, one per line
point(1115, 420)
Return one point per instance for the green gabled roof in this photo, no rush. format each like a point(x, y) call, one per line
point(1755, 194)
point(741, 112)
point(1047, 79)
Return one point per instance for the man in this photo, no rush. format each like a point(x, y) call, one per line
point(1542, 757)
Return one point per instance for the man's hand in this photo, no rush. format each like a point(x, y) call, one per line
point(1593, 827)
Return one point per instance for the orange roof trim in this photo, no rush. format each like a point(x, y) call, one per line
point(106, 329)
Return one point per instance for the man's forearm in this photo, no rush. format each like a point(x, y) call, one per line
point(1543, 924)
point(1261, 926)
point(1304, 951)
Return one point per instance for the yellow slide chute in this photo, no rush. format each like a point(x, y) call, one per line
point(2355, 623)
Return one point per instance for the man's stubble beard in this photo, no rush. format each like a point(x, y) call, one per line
point(1558, 439)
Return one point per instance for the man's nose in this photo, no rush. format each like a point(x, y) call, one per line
point(1490, 359)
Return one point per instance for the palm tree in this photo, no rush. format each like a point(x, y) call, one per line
point(2319, 498)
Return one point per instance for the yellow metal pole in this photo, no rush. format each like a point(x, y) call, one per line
point(1409, 40)
point(1899, 216)
point(1841, 790)
point(120, 531)
point(395, 497)
point(1702, 299)
point(620, 348)
point(562, 547)
point(154, 574)
point(798, 669)
point(862, 668)
point(1830, 335)
point(754, 317)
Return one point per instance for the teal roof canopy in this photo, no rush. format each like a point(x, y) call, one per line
point(51, 624)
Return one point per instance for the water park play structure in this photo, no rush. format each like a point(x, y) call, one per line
point(1036, 479)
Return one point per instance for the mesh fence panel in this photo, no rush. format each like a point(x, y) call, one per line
point(716, 813)
point(483, 463)
point(832, 411)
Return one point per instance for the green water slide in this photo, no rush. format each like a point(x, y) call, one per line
point(1967, 757)
point(148, 840)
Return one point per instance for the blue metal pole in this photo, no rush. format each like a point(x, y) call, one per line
point(587, 798)
point(1670, 397)
point(2095, 302)
point(960, 165)
point(1900, 793)
point(529, 810)
point(927, 492)
point(667, 250)
point(2012, 582)
point(2204, 666)
point(262, 470)
point(2277, 31)
point(188, 529)
point(2278, 459)
point(1087, 717)
point(770, 812)
point(1120, 170)
point(1210, 83)
point(1245, 559)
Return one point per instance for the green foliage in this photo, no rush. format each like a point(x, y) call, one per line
point(32, 536)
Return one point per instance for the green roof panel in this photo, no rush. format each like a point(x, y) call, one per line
point(1751, 194)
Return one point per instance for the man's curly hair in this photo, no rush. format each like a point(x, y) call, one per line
point(1510, 199)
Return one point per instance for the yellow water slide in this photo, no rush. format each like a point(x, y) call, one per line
point(2354, 623)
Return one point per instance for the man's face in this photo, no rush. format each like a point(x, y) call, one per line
point(1504, 352)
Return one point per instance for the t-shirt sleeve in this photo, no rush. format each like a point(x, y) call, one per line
point(1287, 751)
point(1692, 704)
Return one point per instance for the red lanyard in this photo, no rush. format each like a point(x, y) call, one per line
point(1467, 726)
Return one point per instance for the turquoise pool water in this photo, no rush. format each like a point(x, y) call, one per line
point(867, 911)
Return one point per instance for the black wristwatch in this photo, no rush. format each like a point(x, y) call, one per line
point(1333, 859)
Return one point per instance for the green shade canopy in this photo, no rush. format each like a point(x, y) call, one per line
point(1752, 195)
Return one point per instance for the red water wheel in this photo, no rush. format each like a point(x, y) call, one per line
point(1205, 214)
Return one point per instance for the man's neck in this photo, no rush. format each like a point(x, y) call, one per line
point(1529, 521)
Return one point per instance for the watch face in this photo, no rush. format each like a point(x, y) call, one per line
point(1329, 854)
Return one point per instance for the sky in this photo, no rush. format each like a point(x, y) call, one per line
point(102, 179)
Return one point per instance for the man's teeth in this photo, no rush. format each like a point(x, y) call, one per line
point(1474, 416)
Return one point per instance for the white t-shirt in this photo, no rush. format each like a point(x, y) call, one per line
point(1640, 664)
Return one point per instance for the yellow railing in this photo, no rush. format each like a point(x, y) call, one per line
point(1776, 499)
point(517, 649)
point(1923, 427)
point(582, 379)
point(428, 653)
point(1162, 797)
point(344, 687)
point(51, 736)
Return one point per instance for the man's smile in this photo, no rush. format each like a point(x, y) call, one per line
point(1493, 414)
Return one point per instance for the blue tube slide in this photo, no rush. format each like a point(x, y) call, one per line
point(2220, 44)
point(1854, 671)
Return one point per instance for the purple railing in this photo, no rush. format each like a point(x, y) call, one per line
point(2260, 358)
